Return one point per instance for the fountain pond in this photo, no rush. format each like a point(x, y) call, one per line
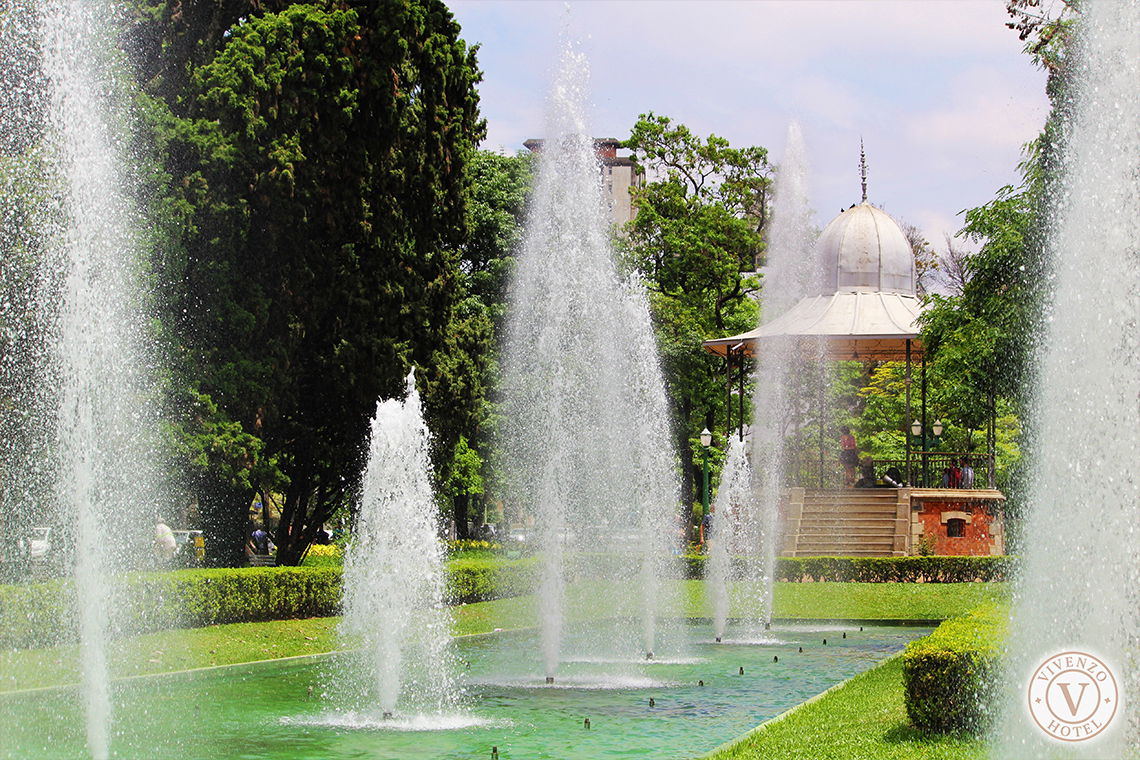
point(275, 709)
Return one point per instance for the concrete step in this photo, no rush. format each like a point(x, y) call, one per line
point(845, 553)
point(853, 497)
point(843, 539)
point(854, 493)
point(842, 550)
point(839, 503)
point(847, 515)
point(858, 529)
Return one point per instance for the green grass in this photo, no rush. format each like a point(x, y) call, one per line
point(884, 601)
point(184, 649)
point(870, 601)
point(863, 719)
point(170, 651)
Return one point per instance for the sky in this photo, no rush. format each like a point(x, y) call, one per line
point(939, 90)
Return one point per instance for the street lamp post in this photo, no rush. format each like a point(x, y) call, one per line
point(920, 442)
point(925, 444)
point(706, 441)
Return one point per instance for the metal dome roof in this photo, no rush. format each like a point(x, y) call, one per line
point(864, 249)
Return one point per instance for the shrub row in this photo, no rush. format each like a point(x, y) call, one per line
point(40, 614)
point(480, 580)
point(950, 676)
point(881, 569)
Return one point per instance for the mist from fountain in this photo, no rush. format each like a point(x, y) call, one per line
point(585, 427)
point(730, 509)
point(88, 403)
point(782, 370)
point(1080, 584)
point(394, 612)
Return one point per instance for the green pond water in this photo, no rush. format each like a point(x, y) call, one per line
point(266, 711)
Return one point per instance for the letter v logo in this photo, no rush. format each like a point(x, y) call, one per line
point(1069, 698)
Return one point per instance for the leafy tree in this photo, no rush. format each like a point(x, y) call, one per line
point(925, 259)
point(984, 337)
point(697, 234)
point(315, 155)
point(496, 202)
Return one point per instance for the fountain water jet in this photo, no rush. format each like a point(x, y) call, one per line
point(729, 510)
point(1081, 574)
point(792, 273)
point(751, 532)
point(95, 379)
point(393, 575)
point(585, 410)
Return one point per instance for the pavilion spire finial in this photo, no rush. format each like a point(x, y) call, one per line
point(863, 168)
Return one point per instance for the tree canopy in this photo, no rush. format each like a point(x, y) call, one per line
point(312, 210)
point(697, 236)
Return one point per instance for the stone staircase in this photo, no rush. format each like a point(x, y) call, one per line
point(848, 522)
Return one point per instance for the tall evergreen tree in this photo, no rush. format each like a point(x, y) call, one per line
point(315, 157)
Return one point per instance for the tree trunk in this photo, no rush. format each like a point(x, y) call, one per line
point(685, 452)
point(305, 510)
point(225, 515)
point(462, 511)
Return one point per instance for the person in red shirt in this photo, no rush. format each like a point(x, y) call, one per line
point(848, 455)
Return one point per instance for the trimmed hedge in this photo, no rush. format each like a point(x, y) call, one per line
point(881, 569)
point(480, 580)
point(950, 677)
point(37, 615)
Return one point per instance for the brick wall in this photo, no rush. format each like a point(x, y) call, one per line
point(982, 532)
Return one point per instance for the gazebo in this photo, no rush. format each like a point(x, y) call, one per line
point(868, 310)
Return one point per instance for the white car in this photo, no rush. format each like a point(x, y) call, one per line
point(39, 543)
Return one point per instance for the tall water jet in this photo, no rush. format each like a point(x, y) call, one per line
point(731, 508)
point(1080, 584)
point(96, 378)
point(393, 576)
point(784, 368)
point(585, 415)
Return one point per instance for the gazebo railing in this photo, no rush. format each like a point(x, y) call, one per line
point(934, 469)
point(929, 469)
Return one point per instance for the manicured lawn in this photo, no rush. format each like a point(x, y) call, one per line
point(246, 642)
point(871, 601)
point(900, 601)
point(863, 719)
point(189, 648)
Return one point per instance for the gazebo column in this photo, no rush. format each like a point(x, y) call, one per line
point(820, 403)
point(740, 393)
point(906, 422)
point(991, 441)
point(728, 393)
point(925, 453)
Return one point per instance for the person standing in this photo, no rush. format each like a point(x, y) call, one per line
point(966, 474)
point(260, 540)
point(164, 543)
point(848, 455)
